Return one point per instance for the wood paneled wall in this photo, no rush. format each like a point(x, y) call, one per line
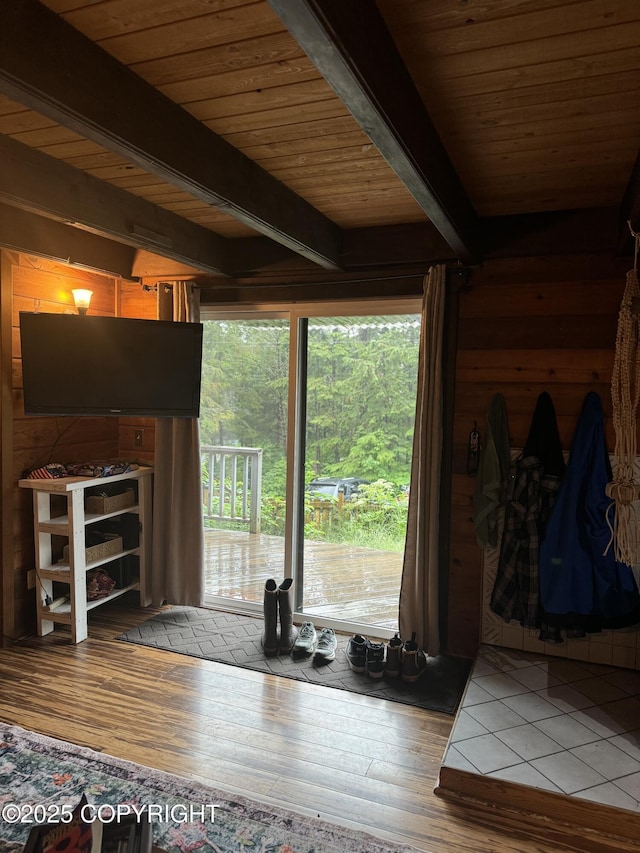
point(37, 284)
point(526, 326)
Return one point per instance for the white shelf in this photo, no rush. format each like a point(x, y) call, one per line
point(73, 524)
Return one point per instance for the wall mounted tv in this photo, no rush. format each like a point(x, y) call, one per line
point(96, 366)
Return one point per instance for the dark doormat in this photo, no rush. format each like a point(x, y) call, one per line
point(234, 639)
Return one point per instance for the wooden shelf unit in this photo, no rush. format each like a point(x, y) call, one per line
point(73, 611)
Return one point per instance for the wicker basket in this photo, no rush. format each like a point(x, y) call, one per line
point(111, 546)
point(102, 504)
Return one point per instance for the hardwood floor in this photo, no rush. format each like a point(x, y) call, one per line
point(340, 581)
point(351, 759)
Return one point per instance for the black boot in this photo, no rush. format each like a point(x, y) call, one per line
point(288, 631)
point(270, 634)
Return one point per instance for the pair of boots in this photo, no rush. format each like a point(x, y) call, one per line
point(278, 599)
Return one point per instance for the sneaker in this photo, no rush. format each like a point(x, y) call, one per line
point(306, 640)
point(375, 659)
point(414, 660)
point(394, 657)
point(327, 645)
point(356, 652)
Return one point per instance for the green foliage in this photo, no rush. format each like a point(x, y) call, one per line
point(360, 409)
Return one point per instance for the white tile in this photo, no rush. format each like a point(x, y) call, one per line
point(599, 691)
point(466, 727)
point(457, 761)
point(474, 695)
point(568, 772)
point(628, 743)
point(482, 667)
point(625, 680)
point(534, 677)
point(529, 742)
point(495, 716)
point(504, 660)
point(567, 731)
point(610, 795)
point(600, 653)
point(532, 707)
point(500, 685)
point(631, 785)
point(567, 670)
point(626, 712)
point(525, 774)
point(599, 721)
point(623, 656)
point(607, 759)
point(487, 753)
point(566, 697)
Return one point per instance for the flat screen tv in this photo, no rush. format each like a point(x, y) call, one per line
point(95, 366)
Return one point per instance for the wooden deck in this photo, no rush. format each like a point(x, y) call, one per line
point(341, 581)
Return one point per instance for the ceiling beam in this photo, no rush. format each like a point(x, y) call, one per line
point(36, 182)
point(52, 68)
point(349, 43)
point(36, 235)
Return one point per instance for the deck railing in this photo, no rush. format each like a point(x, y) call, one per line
point(232, 484)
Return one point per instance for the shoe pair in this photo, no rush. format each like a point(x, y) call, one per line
point(398, 658)
point(364, 654)
point(321, 645)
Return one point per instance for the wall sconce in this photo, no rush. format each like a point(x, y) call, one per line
point(82, 299)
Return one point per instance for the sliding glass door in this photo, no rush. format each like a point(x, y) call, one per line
point(306, 429)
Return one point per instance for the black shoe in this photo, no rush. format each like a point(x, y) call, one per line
point(393, 663)
point(356, 652)
point(375, 659)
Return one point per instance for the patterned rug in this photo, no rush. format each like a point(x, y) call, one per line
point(43, 776)
point(235, 639)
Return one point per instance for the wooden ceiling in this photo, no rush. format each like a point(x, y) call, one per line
point(235, 136)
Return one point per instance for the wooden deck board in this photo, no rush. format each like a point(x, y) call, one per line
point(340, 581)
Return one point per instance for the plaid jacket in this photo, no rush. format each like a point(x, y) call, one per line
point(516, 592)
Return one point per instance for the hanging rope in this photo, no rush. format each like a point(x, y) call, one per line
point(625, 395)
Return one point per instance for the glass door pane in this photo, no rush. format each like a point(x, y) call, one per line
point(243, 435)
point(360, 409)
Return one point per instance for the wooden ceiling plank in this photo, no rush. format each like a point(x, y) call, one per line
point(270, 83)
point(244, 56)
point(34, 182)
point(355, 53)
point(515, 77)
point(207, 168)
point(523, 25)
point(109, 18)
point(252, 19)
point(459, 62)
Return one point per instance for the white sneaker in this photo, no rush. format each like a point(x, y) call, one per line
point(306, 640)
point(327, 645)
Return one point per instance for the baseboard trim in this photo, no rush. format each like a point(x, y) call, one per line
point(574, 823)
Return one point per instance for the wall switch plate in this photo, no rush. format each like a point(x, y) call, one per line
point(31, 579)
point(138, 437)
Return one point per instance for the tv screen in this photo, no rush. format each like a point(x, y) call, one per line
point(74, 365)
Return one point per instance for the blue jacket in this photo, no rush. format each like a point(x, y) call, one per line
point(578, 581)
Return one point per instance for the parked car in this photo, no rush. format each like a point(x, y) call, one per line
point(331, 487)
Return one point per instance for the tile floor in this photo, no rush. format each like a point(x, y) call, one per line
point(556, 724)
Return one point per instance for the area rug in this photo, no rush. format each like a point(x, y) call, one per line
point(234, 639)
point(41, 776)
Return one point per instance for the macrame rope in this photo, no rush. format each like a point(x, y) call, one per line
point(625, 395)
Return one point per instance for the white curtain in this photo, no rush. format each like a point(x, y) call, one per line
point(420, 587)
point(177, 564)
